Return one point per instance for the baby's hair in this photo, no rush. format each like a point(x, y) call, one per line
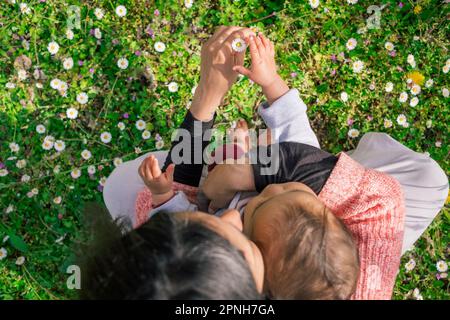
point(313, 257)
point(167, 258)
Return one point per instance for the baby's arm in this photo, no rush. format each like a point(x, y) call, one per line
point(284, 113)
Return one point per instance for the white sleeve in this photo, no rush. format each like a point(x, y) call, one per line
point(287, 119)
point(178, 203)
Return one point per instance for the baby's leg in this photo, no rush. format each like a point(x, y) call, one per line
point(424, 183)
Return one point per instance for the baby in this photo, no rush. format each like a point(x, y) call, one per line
point(308, 252)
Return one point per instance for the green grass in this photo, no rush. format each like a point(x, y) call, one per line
point(305, 40)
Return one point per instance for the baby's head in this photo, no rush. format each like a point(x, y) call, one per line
point(308, 252)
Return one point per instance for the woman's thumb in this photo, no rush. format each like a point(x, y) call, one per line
point(169, 171)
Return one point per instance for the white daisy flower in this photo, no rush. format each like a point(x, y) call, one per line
point(410, 265)
point(447, 63)
point(106, 137)
point(414, 102)
point(238, 45)
point(429, 83)
point(438, 144)
point(40, 129)
point(91, 170)
point(57, 200)
point(69, 34)
point(352, 1)
point(173, 86)
point(10, 85)
point(387, 123)
point(53, 47)
point(59, 145)
point(140, 124)
point(3, 253)
point(121, 126)
point(55, 83)
point(24, 8)
point(445, 92)
point(314, 3)
point(62, 86)
point(146, 135)
point(102, 181)
point(389, 87)
point(97, 33)
point(35, 191)
point(82, 98)
point(20, 260)
point(137, 150)
point(75, 173)
point(25, 178)
point(351, 44)
point(49, 142)
point(121, 11)
point(99, 13)
point(188, 3)
point(403, 97)
point(445, 68)
point(117, 161)
point(389, 46)
point(159, 46)
point(411, 60)
point(409, 81)
point(22, 74)
point(429, 123)
point(415, 89)
point(9, 209)
point(57, 169)
point(353, 133)
point(159, 144)
point(344, 96)
point(3, 172)
point(358, 66)
point(21, 163)
point(72, 113)
point(122, 63)
point(68, 63)
point(86, 154)
point(14, 147)
point(401, 119)
point(441, 266)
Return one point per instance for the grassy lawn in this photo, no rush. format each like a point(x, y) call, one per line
point(78, 75)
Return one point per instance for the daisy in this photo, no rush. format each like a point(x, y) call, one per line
point(53, 47)
point(55, 83)
point(121, 11)
point(102, 181)
point(387, 123)
point(3, 172)
point(415, 89)
point(82, 98)
point(3, 253)
point(20, 260)
point(59, 145)
point(91, 170)
point(429, 123)
point(445, 92)
point(21, 163)
point(22, 75)
point(389, 87)
point(314, 3)
point(146, 135)
point(122, 63)
point(69, 34)
point(414, 102)
point(352, 1)
point(140, 125)
point(97, 33)
point(442, 266)
point(389, 46)
point(35, 191)
point(106, 137)
point(445, 68)
point(353, 133)
point(137, 150)
point(410, 265)
point(159, 46)
point(188, 3)
point(86, 154)
point(117, 161)
point(429, 83)
point(173, 87)
point(159, 144)
point(344, 96)
point(57, 200)
point(121, 126)
point(351, 44)
point(75, 173)
point(401, 119)
point(403, 97)
point(99, 13)
point(68, 63)
point(25, 178)
point(14, 147)
point(57, 169)
point(40, 129)
point(411, 60)
point(238, 45)
point(48, 144)
point(358, 66)
point(62, 86)
point(438, 144)
point(24, 9)
point(72, 113)
point(9, 209)
point(10, 85)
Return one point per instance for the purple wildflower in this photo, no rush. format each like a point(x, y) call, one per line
point(350, 121)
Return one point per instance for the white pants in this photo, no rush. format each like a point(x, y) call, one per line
point(424, 183)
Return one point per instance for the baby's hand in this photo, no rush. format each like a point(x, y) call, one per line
point(263, 70)
point(159, 183)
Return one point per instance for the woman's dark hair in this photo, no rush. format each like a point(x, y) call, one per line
point(166, 258)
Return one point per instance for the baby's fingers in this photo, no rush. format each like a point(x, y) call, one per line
point(254, 53)
point(154, 167)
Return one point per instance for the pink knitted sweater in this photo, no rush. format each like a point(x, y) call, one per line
point(370, 203)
